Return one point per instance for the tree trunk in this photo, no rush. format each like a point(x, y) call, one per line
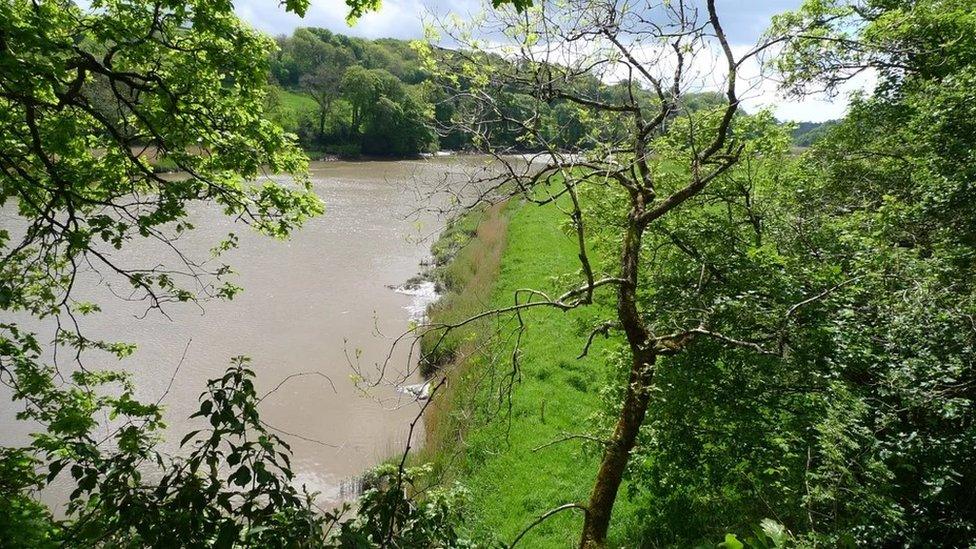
point(617, 454)
point(323, 114)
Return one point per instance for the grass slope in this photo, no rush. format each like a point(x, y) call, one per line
point(496, 456)
point(289, 109)
point(297, 103)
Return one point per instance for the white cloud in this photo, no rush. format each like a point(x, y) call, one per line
point(745, 19)
point(815, 108)
point(395, 19)
point(765, 93)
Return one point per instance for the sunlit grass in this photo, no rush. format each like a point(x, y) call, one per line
point(471, 436)
point(297, 103)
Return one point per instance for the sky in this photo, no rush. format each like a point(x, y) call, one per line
point(744, 21)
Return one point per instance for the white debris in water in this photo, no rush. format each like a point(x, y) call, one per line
point(330, 488)
point(424, 294)
point(420, 391)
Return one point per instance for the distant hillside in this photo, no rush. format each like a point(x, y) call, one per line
point(349, 96)
point(808, 133)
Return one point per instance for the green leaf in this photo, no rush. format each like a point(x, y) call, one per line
point(731, 542)
point(242, 476)
point(228, 535)
point(775, 531)
point(188, 436)
point(54, 468)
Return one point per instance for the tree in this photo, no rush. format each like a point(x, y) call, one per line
point(658, 166)
point(89, 98)
point(309, 51)
point(855, 435)
point(83, 186)
point(796, 332)
point(390, 118)
point(363, 88)
point(398, 127)
point(324, 82)
point(891, 201)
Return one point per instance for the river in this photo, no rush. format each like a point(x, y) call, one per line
point(312, 303)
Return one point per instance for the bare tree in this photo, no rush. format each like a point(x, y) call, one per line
point(633, 72)
point(573, 54)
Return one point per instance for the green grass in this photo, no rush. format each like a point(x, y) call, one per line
point(510, 483)
point(467, 257)
point(296, 102)
point(290, 108)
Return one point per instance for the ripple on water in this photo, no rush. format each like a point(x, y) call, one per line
point(423, 294)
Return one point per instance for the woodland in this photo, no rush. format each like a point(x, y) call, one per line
point(749, 333)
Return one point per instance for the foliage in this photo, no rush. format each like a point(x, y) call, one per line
point(665, 182)
point(720, 443)
point(91, 98)
point(76, 174)
point(369, 94)
point(233, 486)
point(768, 535)
point(292, 111)
point(387, 517)
point(808, 133)
point(252, 502)
point(390, 117)
point(860, 433)
point(810, 317)
point(315, 62)
point(24, 523)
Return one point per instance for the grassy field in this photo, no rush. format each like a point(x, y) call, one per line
point(472, 438)
point(291, 108)
point(296, 102)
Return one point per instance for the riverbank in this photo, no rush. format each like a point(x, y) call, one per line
point(310, 305)
point(504, 451)
point(166, 165)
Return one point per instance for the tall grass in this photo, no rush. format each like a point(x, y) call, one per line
point(500, 443)
point(468, 255)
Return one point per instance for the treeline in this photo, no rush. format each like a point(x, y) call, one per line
point(806, 134)
point(350, 96)
point(367, 97)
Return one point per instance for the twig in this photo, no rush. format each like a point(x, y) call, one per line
point(300, 374)
point(568, 437)
point(544, 517)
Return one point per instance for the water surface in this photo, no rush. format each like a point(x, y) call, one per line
point(311, 305)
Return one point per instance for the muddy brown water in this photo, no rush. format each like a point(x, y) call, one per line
point(313, 303)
